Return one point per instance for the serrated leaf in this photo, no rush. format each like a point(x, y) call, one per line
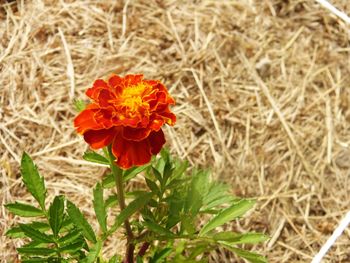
point(35, 234)
point(158, 229)
point(32, 180)
point(93, 253)
point(72, 247)
point(234, 238)
point(99, 206)
point(36, 251)
point(135, 205)
point(24, 210)
point(198, 189)
point(175, 207)
point(80, 222)
point(157, 174)
point(228, 214)
point(70, 237)
point(35, 243)
point(132, 172)
point(56, 213)
point(67, 224)
point(227, 199)
point(108, 181)
point(217, 195)
point(79, 105)
point(17, 232)
point(180, 168)
point(152, 186)
point(94, 157)
point(250, 256)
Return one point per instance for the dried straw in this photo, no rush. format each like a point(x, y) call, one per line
point(262, 90)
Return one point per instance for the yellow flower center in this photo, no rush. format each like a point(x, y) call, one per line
point(132, 97)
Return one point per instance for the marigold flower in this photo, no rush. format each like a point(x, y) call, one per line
point(127, 112)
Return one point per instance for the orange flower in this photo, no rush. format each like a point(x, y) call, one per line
point(127, 112)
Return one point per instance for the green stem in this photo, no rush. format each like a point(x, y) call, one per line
point(118, 175)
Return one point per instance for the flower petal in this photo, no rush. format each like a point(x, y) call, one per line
point(135, 134)
point(94, 92)
point(86, 121)
point(116, 83)
point(156, 140)
point(99, 138)
point(131, 153)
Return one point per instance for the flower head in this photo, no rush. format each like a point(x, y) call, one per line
point(127, 112)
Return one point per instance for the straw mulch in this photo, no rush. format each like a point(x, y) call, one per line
point(262, 91)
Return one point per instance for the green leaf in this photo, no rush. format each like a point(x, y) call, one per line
point(93, 253)
point(79, 105)
point(153, 186)
point(217, 195)
point(24, 210)
point(168, 171)
point(70, 237)
point(198, 189)
point(35, 243)
point(234, 238)
point(36, 259)
point(35, 234)
point(94, 157)
point(159, 256)
point(32, 180)
point(132, 172)
point(114, 259)
point(99, 206)
point(157, 175)
point(36, 251)
point(228, 214)
point(250, 256)
point(72, 247)
point(188, 224)
point(80, 222)
point(175, 207)
point(139, 259)
point(17, 232)
point(200, 249)
point(56, 213)
point(180, 168)
point(154, 227)
point(108, 181)
point(135, 205)
point(111, 201)
point(67, 224)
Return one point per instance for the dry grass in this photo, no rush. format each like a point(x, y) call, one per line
point(262, 90)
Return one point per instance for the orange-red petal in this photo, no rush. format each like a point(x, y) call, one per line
point(99, 138)
point(86, 121)
point(93, 92)
point(156, 140)
point(131, 153)
point(135, 134)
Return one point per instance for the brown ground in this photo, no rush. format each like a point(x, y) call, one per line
point(262, 90)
